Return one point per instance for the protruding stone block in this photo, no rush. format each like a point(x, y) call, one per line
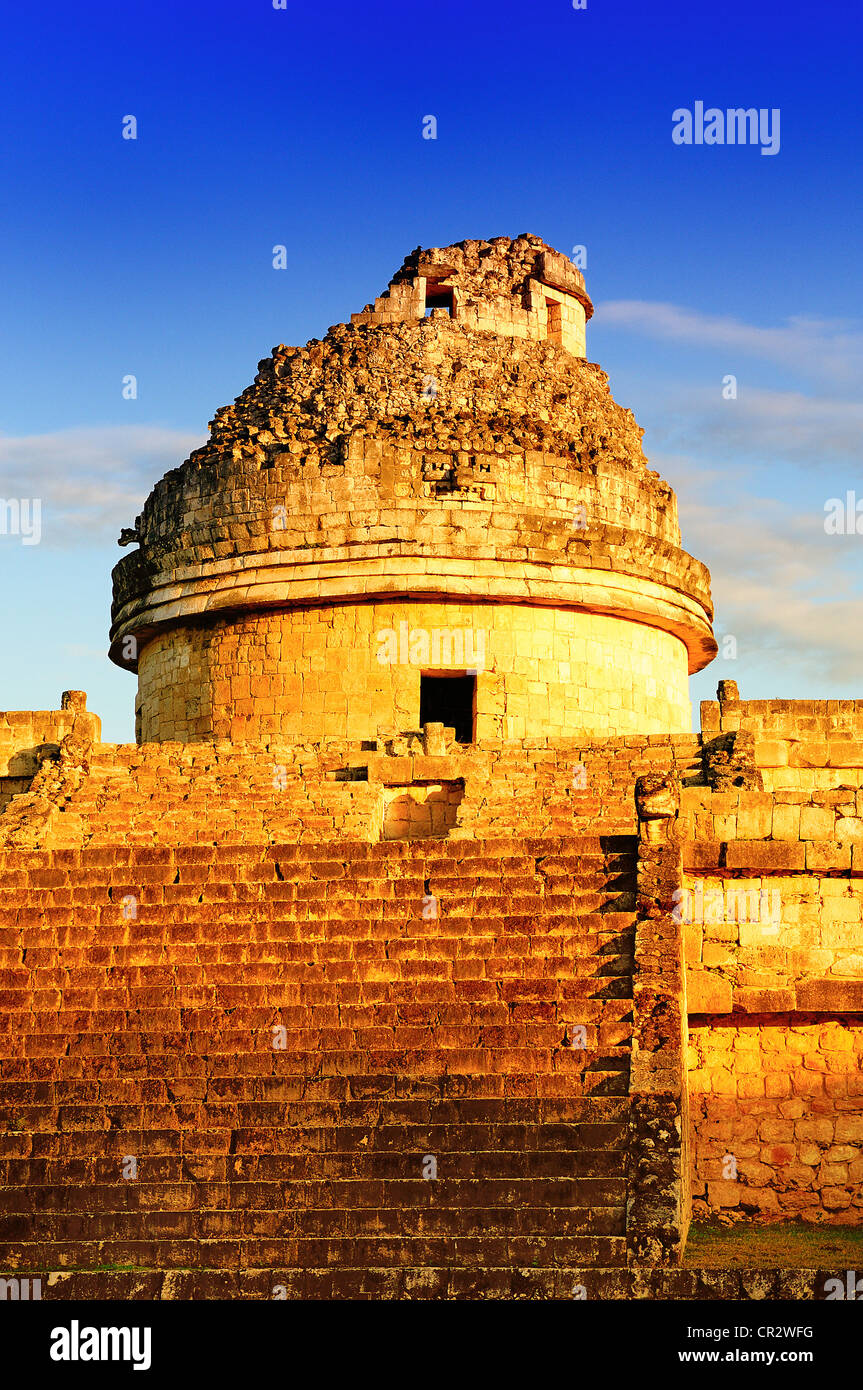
point(434, 741)
point(765, 856)
point(727, 693)
point(764, 1001)
point(707, 993)
point(827, 995)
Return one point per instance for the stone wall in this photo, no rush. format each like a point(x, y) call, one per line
point(799, 745)
point(353, 671)
point(773, 943)
point(774, 899)
point(777, 1117)
point(29, 736)
point(217, 792)
point(771, 908)
point(515, 289)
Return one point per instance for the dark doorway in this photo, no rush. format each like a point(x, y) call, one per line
point(449, 700)
point(438, 297)
point(554, 324)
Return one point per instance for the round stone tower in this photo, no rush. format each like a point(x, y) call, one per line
point(436, 514)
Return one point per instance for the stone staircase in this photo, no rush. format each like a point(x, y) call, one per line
point(325, 1070)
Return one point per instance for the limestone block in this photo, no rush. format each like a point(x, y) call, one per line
point(764, 1001)
point(724, 827)
point(817, 823)
point(826, 855)
point(692, 942)
point(771, 752)
point(390, 771)
point(786, 822)
point(808, 754)
point(707, 993)
point(830, 994)
point(721, 931)
point(754, 815)
point(765, 856)
point(848, 966)
point(709, 710)
point(845, 753)
point(849, 828)
point(716, 956)
point(836, 1198)
point(723, 1193)
point(849, 1129)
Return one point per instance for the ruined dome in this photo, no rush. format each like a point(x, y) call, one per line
point(448, 460)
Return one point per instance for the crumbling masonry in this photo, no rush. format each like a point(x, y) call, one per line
point(418, 948)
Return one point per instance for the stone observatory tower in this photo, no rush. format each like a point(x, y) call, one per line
point(436, 514)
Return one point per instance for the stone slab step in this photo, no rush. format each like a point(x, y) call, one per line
point(476, 1252)
point(419, 1104)
point(330, 1167)
point(410, 1222)
point(345, 1283)
point(349, 1194)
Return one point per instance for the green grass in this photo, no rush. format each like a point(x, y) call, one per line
point(787, 1246)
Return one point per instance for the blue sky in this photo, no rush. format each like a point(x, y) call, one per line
point(303, 126)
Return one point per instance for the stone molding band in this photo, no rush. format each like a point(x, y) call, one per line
point(266, 585)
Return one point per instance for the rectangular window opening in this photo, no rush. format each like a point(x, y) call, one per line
point(439, 297)
point(553, 321)
point(449, 700)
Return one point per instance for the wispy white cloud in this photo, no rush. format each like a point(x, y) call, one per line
point(91, 481)
point(761, 425)
point(824, 349)
point(791, 594)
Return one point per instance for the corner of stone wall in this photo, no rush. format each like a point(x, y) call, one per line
point(27, 820)
point(658, 1187)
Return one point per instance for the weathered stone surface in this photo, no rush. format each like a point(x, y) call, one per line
point(466, 926)
point(764, 1001)
point(435, 479)
point(765, 856)
point(707, 993)
point(830, 994)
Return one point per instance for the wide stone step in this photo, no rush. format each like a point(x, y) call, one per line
point(287, 960)
point(592, 1190)
point(242, 1075)
point(85, 1168)
point(344, 1283)
point(234, 849)
point(306, 1223)
point(295, 1102)
point(463, 1251)
point(527, 1021)
point(344, 1138)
